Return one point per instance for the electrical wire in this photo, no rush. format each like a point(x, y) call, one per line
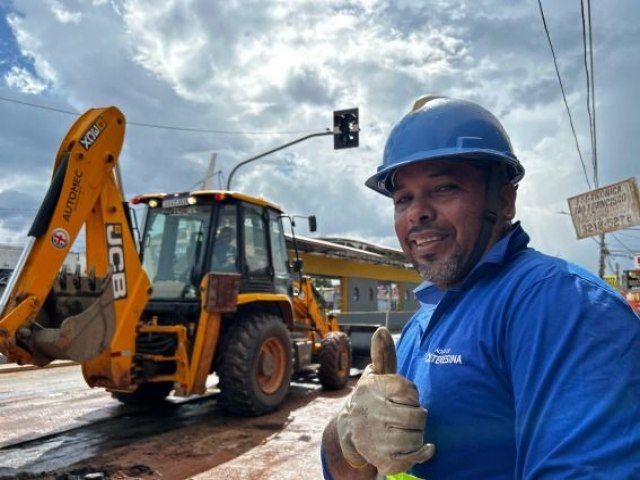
point(591, 102)
point(18, 209)
point(586, 32)
point(593, 97)
point(217, 173)
point(164, 127)
point(621, 243)
point(587, 41)
point(620, 255)
point(564, 96)
point(627, 233)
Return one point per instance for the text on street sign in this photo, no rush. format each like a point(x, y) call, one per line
point(606, 209)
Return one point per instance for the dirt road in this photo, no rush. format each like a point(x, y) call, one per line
point(210, 445)
point(282, 445)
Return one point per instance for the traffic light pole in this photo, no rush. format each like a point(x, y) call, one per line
point(345, 133)
point(281, 147)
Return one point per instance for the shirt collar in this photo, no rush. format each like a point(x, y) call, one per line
point(429, 294)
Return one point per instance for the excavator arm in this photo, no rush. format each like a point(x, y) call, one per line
point(48, 312)
point(309, 309)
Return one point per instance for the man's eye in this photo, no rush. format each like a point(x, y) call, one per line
point(447, 188)
point(402, 199)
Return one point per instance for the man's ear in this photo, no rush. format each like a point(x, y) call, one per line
point(508, 194)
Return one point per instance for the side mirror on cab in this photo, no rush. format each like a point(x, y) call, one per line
point(296, 266)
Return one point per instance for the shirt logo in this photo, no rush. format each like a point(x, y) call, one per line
point(442, 356)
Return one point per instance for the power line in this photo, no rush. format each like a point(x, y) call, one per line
point(163, 127)
point(587, 41)
point(587, 38)
point(620, 255)
point(17, 209)
point(586, 32)
point(627, 232)
point(623, 245)
point(593, 96)
point(217, 173)
point(564, 97)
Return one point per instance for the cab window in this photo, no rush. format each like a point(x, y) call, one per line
point(256, 240)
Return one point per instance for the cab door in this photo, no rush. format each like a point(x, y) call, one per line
point(279, 254)
point(258, 271)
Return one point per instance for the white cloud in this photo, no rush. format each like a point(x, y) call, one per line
point(62, 14)
point(21, 79)
point(30, 46)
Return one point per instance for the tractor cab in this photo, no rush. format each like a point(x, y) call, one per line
point(188, 235)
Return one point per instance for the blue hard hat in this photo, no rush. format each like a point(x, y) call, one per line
point(445, 128)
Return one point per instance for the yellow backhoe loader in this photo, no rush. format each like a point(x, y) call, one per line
point(206, 286)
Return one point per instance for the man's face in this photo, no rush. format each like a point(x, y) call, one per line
point(438, 216)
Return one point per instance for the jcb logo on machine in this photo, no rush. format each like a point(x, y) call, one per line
point(93, 133)
point(116, 260)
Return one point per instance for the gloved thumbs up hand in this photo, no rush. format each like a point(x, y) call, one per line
point(382, 423)
point(383, 353)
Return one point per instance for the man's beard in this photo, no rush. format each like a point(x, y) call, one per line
point(443, 272)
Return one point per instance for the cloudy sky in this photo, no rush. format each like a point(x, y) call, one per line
point(240, 77)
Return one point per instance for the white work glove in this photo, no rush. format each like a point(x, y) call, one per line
point(382, 422)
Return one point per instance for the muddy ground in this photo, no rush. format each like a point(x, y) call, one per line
point(281, 445)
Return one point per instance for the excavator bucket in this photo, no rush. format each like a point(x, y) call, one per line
point(61, 333)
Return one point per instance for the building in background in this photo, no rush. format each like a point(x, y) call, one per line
point(630, 288)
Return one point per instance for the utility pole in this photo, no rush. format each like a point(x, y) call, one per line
point(603, 255)
point(207, 180)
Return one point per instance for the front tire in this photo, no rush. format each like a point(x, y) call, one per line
point(254, 365)
point(335, 361)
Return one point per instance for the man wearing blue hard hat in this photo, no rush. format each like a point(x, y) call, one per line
point(517, 365)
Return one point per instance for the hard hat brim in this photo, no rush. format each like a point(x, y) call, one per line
point(381, 181)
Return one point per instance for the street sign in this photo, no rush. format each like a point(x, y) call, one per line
point(606, 209)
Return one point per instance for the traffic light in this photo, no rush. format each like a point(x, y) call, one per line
point(346, 128)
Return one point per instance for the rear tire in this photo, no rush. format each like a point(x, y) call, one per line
point(254, 365)
point(335, 361)
point(147, 394)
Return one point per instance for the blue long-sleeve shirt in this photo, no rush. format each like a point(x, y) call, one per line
point(529, 370)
